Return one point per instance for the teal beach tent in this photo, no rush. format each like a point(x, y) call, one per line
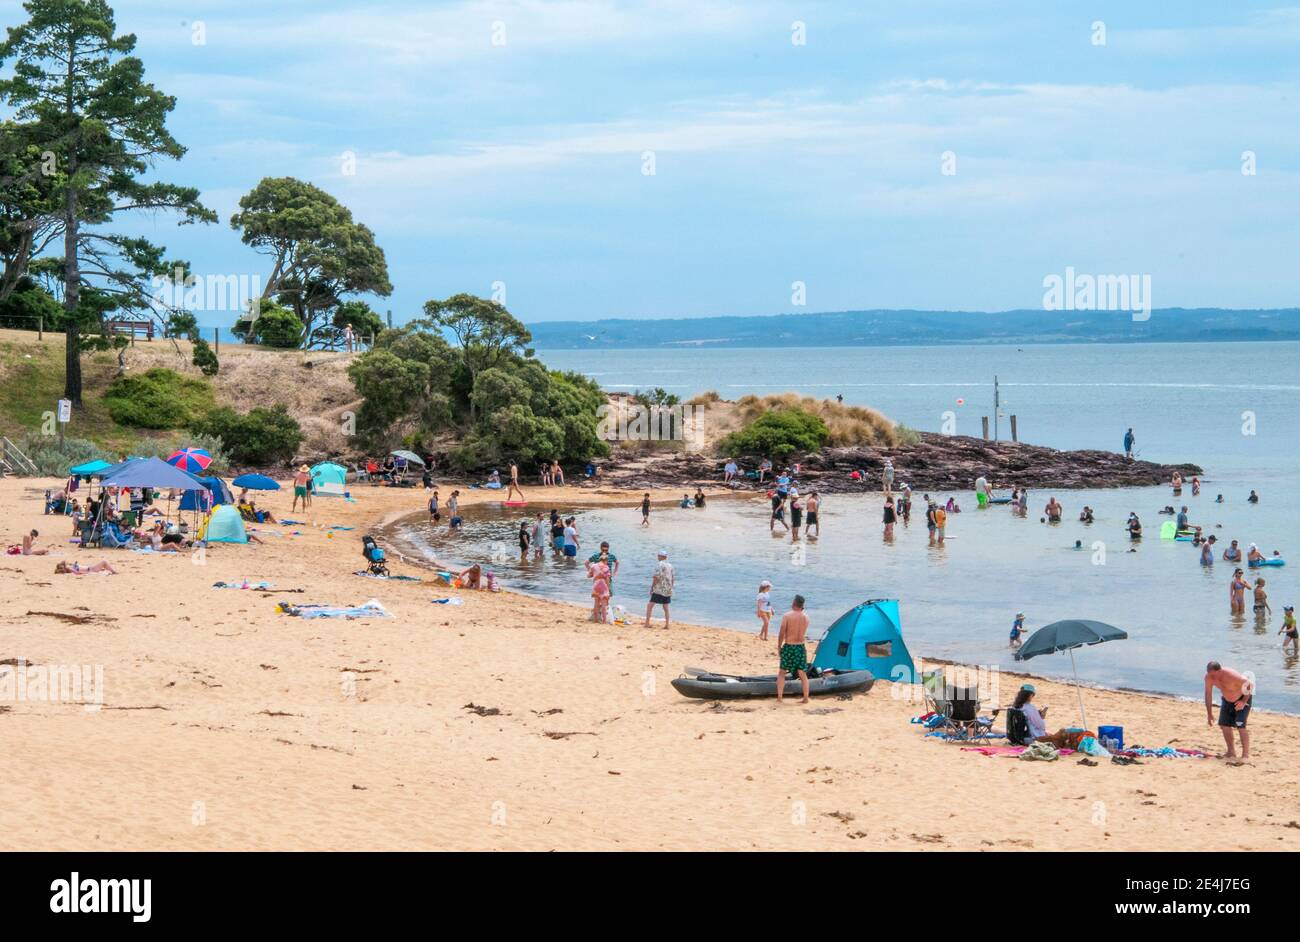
point(329, 478)
point(224, 525)
point(867, 637)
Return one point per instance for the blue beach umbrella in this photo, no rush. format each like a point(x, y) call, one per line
point(1066, 636)
point(256, 482)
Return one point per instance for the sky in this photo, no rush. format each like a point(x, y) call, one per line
point(926, 155)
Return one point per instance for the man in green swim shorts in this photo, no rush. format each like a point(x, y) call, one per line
point(790, 647)
point(301, 487)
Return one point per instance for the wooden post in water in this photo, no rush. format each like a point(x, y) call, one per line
point(1014, 436)
point(984, 420)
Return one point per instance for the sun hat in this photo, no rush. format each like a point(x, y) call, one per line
point(765, 583)
point(304, 468)
point(1020, 614)
point(663, 553)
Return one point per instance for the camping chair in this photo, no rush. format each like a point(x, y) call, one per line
point(957, 706)
point(90, 533)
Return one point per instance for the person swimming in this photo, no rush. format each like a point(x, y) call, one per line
point(1086, 515)
point(1253, 498)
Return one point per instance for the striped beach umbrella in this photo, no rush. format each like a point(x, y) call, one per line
point(193, 460)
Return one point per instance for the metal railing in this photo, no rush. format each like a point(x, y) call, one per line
point(13, 461)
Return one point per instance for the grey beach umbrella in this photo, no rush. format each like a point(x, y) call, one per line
point(1066, 636)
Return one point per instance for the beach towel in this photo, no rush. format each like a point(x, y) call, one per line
point(1007, 752)
point(245, 584)
point(448, 601)
point(371, 609)
point(1040, 752)
point(1164, 752)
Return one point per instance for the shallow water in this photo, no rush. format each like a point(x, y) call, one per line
point(957, 600)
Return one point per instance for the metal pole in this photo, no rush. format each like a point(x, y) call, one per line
point(1078, 689)
point(216, 335)
point(997, 406)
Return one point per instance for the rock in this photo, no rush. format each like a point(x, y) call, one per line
point(937, 462)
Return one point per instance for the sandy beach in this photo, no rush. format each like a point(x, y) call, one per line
point(512, 723)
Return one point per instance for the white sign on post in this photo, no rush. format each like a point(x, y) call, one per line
point(65, 410)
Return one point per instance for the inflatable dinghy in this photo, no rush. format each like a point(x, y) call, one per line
point(1271, 561)
point(999, 500)
point(708, 686)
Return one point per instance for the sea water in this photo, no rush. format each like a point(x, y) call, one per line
point(1230, 408)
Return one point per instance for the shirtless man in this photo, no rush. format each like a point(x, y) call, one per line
point(514, 483)
point(811, 518)
point(790, 647)
point(29, 549)
point(1237, 691)
point(1053, 511)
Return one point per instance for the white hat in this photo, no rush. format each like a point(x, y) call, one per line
point(663, 553)
point(765, 583)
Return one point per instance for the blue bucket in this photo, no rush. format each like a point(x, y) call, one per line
point(1112, 737)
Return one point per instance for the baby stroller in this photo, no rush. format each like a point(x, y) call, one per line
point(374, 556)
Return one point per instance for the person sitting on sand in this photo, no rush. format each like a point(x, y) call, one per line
point(1233, 553)
point(1033, 715)
point(729, 471)
point(471, 578)
point(29, 549)
point(74, 569)
point(158, 540)
point(764, 469)
point(1237, 691)
point(1053, 510)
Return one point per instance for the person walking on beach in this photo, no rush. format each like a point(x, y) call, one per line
point(1236, 694)
point(302, 488)
point(1129, 440)
point(1237, 593)
point(661, 587)
point(888, 475)
point(645, 510)
point(763, 608)
point(514, 483)
point(791, 649)
point(814, 520)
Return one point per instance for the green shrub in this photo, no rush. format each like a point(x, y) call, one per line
point(204, 358)
point(44, 452)
point(907, 435)
point(778, 434)
point(159, 398)
point(263, 436)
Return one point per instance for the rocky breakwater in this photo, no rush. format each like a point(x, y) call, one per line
point(936, 462)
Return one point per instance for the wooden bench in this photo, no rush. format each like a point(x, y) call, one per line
point(129, 327)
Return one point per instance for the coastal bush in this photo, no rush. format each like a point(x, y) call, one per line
point(262, 436)
point(51, 460)
point(907, 435)
point(778, 434)
point(204, 358)
point(159, 398)
point(848, 425)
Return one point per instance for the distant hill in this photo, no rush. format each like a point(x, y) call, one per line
point(922, 328)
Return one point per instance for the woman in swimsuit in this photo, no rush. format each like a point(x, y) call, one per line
point(1261, 600)
point(1237, 593)
point(891, 515)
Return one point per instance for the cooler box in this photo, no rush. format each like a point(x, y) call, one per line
point(1112, 737)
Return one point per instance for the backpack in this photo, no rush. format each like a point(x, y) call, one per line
point(1017, 727)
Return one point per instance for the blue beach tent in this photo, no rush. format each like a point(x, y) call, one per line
point(867, 637)
point(216, 493)
point(224, 525)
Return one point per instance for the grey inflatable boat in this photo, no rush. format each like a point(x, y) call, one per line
point(703, 685)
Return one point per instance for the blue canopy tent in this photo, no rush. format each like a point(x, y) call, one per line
point(89, 469)
point(149, 473)
point(867, 637)
point(214, 492)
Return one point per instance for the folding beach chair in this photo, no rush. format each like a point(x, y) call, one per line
point(958, 706)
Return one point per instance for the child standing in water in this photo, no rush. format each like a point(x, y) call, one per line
point(1289, 626)
point(763, 608)
point(1018, 629)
